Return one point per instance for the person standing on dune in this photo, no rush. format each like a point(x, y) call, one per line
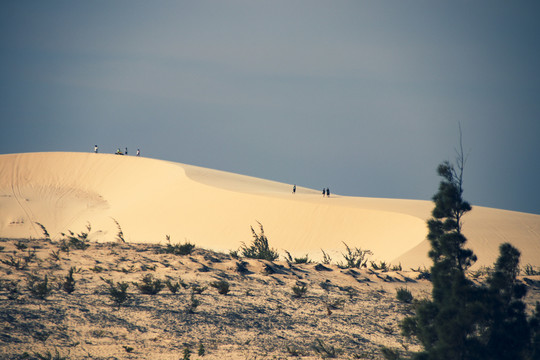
point(138, 152)
point(95, 149)
point(294, 189)
point(323, 192)
point(327, 192)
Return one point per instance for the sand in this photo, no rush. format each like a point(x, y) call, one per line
point(148, 199)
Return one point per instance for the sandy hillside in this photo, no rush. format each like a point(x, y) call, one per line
point(148, 199)
point(261, 313)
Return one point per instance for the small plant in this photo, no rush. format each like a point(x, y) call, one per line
point(44, 230)
point(390, 354)
point(530, 270)
point(128, 349)
point(326, 351)
point(404, 295)
point(149, 285)
point(174, 287)
point(49, 356)
point(76, 241)
point(222, 286)
point(201, 350)
point(193, 303)
point(326, 258)
point(382, 266)
point(234, 254)
point(300, 260)
point(69, 282)
point(120, 233)
point(21, 246)
point(423, 273)
point(197, 289)
point(178, 249)
point(259, 248)
point(356, 258)
point(299, 290)
point(117, 292)
point(396, 267)
point(187, 353)
point(38, 287)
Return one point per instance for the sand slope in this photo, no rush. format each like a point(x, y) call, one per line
point(214, 209)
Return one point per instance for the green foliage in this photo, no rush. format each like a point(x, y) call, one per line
point(404, 295)
point(76, 241)
point(325, 351)
point(69, 282)
point(355, 258)
point(39, 287)
point(222, 286)
point(464, 320)
point(174, 287)
point(49, 356)
point(44, 230)
point(382, 265)
point(178, 249)
point(201, 351)
point(299, 290)
point(530, 270)
point(149, 285)
point(193, 303)
point(390, 354)
point(120, 233)
point(300, 260)
point(187, 353)
point(117, 292)
point(326, 258)
point(259, 248)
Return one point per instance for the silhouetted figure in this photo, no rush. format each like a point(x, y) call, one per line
point(323, 192)
point(118, 152)
point(294, 189)
point(95, 149)
point(138, 152)
point(126, 152)
point(327, 192)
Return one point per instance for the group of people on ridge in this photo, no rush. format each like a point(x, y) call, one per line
point(118, 151)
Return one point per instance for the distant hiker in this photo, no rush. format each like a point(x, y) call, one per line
point(95, 149)
point(138, 152)
point(294, 189)
point(118, 152)
point(327, 192)
point(126, 152)
point(323, 192)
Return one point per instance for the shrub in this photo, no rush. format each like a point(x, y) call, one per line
point(300, 260)
point(529, 270)
point(76, 241)
point(117, 292)
point(69, 282)
point(44, 231)
point(178, 249)
point(390, 354)
point(222, 286)
point(193, 303)
point(397, 267)
point(120, 233)
point(299, 290)
point(356, 258)
point(174, 287)
point(38, 287)
point(149, 285)
point(197, 289)
point(382, 266)
point(202, 350)
point(326, 351)
point(326, 258)
point(259, 249)
point(404, 295)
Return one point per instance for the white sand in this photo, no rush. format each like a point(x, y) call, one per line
point(214, 209)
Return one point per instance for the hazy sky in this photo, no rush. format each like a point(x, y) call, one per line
point(362, 96)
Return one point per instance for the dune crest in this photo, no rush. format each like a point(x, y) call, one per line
point(151, 198)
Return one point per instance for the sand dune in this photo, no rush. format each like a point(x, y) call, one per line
point(152, 198)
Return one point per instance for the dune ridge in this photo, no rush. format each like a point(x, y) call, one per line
point(214, 209)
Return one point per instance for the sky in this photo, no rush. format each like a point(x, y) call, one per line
point(364, 97)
